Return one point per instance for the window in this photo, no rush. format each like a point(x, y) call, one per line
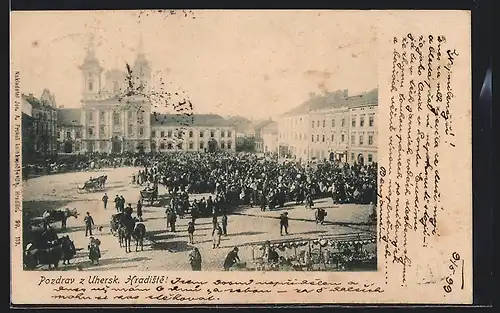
point(353, 122)
point(153, 133)
point(317, 124)
point(77, 146)
point(116, 118)
point(323, 139)
point(202, 145)
point(201, 135)
point(370, 158)
point(169, 146)
point(103, 116)
point(91, 131)
point(370, 140)
point(179, 134)
point(300, 136)
point(324, 123)
point(317, 137)
point(361, 121)
point(370, 121)
point(169, 134)
point(222, 145)
point(141, 131)
point(353, 139)
point(91, 116)
point(102, 130)
point(343, 122)
point(162, 146)
point(77, 134)
point(162, 134)
point(333, 123)
point(153, 146)
point(312, 138)
point(130, 129)
point(212, 134)
point(229, 144)
point(140, 117)
point(333, 137)
point(222, 134)
point(191, 146)
point(190, 134)
point(361, 139)
point(312, 124)
point(68, 134)
point(91, 85)
point(129, 115)
point(229, 133)
point(352, 156)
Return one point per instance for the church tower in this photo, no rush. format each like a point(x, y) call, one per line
point(141, 70)
point(91, 71)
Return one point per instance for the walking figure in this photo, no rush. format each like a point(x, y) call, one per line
point(89, 222)
point(105, 200)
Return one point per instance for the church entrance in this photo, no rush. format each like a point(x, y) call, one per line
point(212, 145)
point(332, 157)
point(68, 147)
point(116, 146)
point(361, 159)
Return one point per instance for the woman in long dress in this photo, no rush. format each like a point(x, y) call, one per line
point(195, 259)
point(94, 251)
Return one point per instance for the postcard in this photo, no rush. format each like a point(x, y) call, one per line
point(178, 157)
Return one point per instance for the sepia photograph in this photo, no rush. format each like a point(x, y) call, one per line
point(218, 157)
point(204, 145)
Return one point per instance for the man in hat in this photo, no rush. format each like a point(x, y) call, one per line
point(284, 223)
point(89, 222)
point(105, 200)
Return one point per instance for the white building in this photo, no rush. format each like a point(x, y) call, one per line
point(332, 126)
point(269, 134)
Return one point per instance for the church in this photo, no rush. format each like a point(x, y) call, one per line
point(113, 120)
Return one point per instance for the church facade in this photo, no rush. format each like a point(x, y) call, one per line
point(116, 117)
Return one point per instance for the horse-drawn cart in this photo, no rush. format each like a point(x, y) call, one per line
point(93, 184)
point(151, 197)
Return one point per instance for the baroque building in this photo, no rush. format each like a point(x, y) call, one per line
point(114, 120)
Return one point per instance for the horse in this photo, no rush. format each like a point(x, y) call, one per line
point(139, 233)
point(49, 254)
point(101, 181)
point(60, 215)
point(125, 233)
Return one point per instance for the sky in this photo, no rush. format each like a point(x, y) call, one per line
point(256, 64)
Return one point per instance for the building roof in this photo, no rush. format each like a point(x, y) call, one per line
point(333, 100)
point(189, 120)
point(35, 103)
point(69, 117)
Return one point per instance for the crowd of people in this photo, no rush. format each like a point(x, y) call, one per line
point(249, 179)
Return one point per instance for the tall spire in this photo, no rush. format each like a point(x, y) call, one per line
point(91, 47)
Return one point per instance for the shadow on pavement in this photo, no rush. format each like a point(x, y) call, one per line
point(172, 246)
